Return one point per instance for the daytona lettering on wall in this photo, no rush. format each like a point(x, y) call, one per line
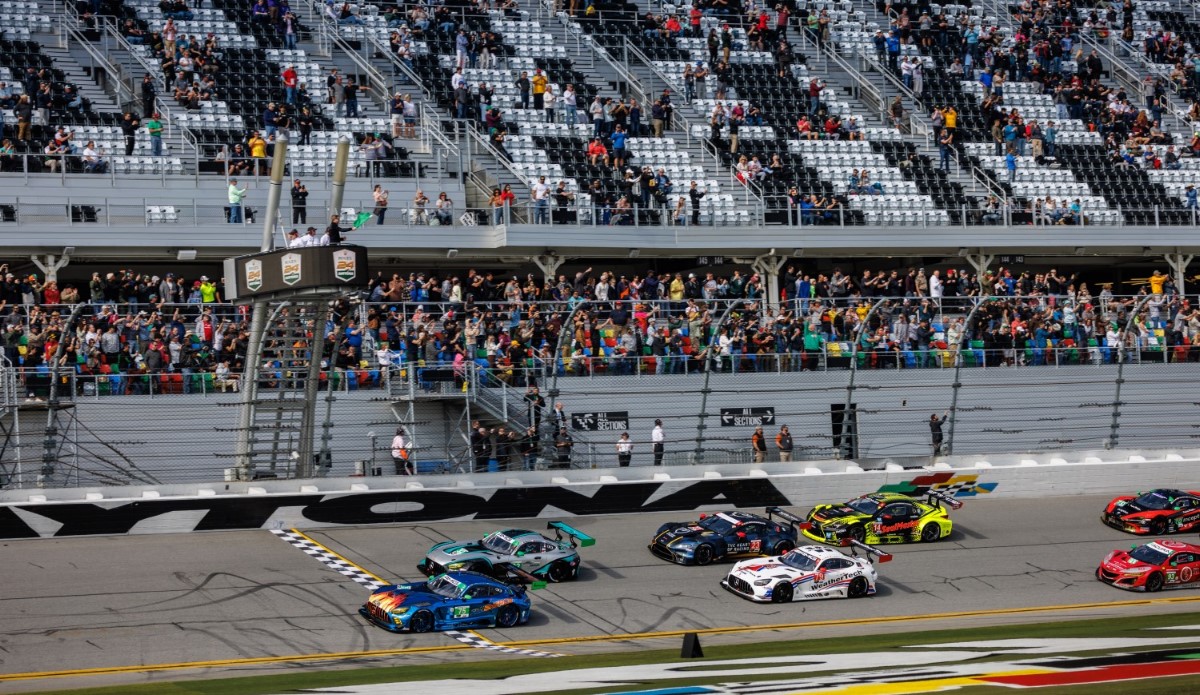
point(82, 519)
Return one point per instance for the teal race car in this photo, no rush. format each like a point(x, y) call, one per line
point(512, 555)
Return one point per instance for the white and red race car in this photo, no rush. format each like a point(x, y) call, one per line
point(806, 573)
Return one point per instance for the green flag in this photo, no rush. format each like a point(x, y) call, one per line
point(362, 219)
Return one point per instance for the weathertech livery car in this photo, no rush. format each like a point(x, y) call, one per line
point(1154, 513)
point(512, 554)
point(882, 517)
point(808, 572)
point(457, 600)
point(1158, 565)
point(725, 535)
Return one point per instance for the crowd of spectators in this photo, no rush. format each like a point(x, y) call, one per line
point(137, 325)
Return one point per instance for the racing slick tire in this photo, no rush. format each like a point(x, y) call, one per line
point(858, 533)
point(508, 616)
point(858, 588)
point(1158, 527)
point(421, 622)
point(559, 571)
point(931, 532)
point(703, 554)
point(783, 547)
point(1154, 583)
point(783, 593)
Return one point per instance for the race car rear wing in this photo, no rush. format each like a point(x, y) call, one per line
point(936, 498)
point(797, 521)
point(578, 538)
point(871, 551)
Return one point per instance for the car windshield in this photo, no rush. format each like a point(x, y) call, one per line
point(498, 542)
point(1153, 500)
point(801, 561)
point(718, 523)
point(864, 505)
point(1149, 554)
point(445, 585)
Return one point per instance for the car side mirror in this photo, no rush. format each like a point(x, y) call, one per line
point(520, 553)
point(741, 534)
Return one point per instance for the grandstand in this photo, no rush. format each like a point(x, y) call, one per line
point(914, 134)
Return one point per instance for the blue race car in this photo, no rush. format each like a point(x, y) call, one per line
point(726, 536)
point(455, 600)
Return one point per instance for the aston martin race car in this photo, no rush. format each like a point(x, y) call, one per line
point(512, 554)
point(1154, 513)
point(1158, 565)
point(726, 535)
point(456, 600)
point(882, 517)
point(808, 572)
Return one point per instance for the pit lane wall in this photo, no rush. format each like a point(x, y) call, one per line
point(559, 494)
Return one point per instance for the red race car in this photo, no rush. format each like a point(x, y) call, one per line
point(1155, 512)
point(1155, 566)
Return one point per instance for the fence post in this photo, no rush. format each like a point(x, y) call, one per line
point(1115, 425)
point(850, 385)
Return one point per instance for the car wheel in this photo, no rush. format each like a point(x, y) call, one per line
point(703, 554)
point(858, 533)
point(931, 532)
point(1158, 527)
point(858, 588)
point(421, 622)
point(559, 571)
point(783, 547)
point(783, 593)
point(1154, 583)
point(507, 617)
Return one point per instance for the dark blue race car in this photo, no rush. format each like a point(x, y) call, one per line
point(455, 600)
point(726, 536)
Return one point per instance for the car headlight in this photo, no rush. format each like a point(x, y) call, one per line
point(761, 582)
point(1137, 570)
point(455, 566)
point(1141, 522)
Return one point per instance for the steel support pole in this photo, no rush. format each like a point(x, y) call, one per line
point(316, 349)
point(958, 360)
point(1179, 263)
point(853, 372)
point(278, 165)
point(1115, 425)
point(713, 362)
point(338, 190)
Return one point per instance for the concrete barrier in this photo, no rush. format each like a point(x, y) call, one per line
point(317, 503)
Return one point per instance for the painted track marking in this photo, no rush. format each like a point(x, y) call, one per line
point(371, 581)
point(593, 638)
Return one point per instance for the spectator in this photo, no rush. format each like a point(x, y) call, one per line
point(420, 214)
point(334, 232)
point(236, 196)
point(658, 441)
point(783, 441)
point(540, 194)
point(381, 203)
point(538, 83)
point(758, 444)
point(299, 202)
point(155, 129)
point(444, 210)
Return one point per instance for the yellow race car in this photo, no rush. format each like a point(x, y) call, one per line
point(882, 517)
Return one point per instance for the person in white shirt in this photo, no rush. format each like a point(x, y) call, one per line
point(935, 286)
point(294, 240)
point(571, 105)
point(656, 437)
point(624, 450)
point(548, 103)
point(401, 454)
point(225, 378)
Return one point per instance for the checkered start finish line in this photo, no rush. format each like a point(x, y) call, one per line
point(342, 566)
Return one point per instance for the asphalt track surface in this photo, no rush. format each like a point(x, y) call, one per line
point(94, 611)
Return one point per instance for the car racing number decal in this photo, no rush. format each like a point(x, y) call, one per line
point(460, 612)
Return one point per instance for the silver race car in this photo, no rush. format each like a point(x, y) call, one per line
point(512, 555)
point(808, 572)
